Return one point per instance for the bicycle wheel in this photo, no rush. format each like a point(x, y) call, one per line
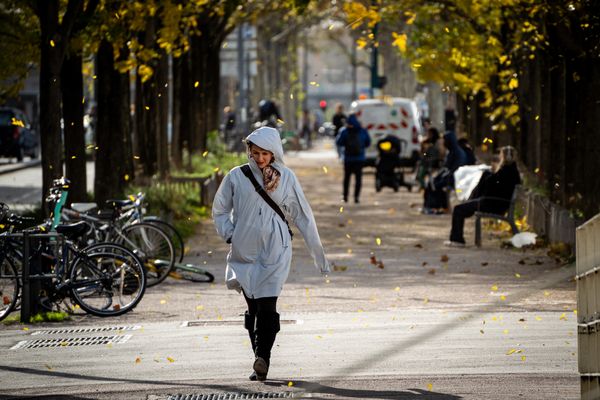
point(171, 231)
point(192, 273)
point(107, 280)
point(153, 247)
point(9, 287)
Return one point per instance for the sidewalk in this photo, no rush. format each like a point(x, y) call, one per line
point(448, 318)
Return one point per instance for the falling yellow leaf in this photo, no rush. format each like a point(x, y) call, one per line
point(205, 153)
point(196, 84)
point(502, 297)
point(146, 107)
point(538, 318)
point(341, 209)
point(429, 387)
point(494, 288)
point(219, 318)
point(73, 157)
point(348, 236)
point(563, 317)
point(518, 275)
point(425, 300)
point(523, 358)
point(325, 169)
point(319, 337)
point(291, 96)
point(163, 301)
point(511, 351)
point(83, 100)
point(513, 83)
point(136, 157)
point(216, 169)
point(206, 338)
point(313, 83)
point(52, 43)
point(138, 360)
point(290, 384)
point(126, 177)
point(200, 307)
point(575, 312)
point(378, 241)
point(397, 288)
point(171, 360)
point(25, 329)
point(546, 293)
point(505, 331)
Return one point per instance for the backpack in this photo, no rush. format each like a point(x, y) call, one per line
point(353, 145)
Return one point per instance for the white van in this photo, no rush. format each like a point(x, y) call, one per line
point(396, 116)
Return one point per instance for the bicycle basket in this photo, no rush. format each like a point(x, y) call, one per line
point(4, 210)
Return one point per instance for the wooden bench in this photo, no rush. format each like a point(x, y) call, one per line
point(509, 216)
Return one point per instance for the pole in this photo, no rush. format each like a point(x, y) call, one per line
point(374, 66)
point(305, 72)
point(354, 72)
point(242, 107)
point(26, 297)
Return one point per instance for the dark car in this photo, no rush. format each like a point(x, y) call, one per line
point(17, 138)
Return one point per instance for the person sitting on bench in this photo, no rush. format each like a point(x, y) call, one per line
point(492, 194)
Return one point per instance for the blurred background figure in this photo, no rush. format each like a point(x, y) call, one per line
point(268, 113)
point(305, 131)
point(338, 121)
point(228, 125)
point(354, 139)
point(430, 156)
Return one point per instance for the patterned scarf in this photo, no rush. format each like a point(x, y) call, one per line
point(270, 178)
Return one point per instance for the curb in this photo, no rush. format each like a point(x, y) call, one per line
point(19, 166)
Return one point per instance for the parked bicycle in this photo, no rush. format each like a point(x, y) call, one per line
point(150, 243)
point(104, 279)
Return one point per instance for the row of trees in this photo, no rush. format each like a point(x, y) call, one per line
point(128, 41)
point(526, 73)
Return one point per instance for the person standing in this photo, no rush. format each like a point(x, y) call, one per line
point(339, 121)
point(260, 255)
point(354, 139)
point(492, 194)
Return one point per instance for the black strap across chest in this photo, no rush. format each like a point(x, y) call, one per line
point(261, 191)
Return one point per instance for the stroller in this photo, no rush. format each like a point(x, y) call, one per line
point(388, 160)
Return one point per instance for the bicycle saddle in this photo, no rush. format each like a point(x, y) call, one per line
point(73, 231)
point(118, 203)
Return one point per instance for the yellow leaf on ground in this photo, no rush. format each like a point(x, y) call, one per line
point(170, 359)
point(429, 387)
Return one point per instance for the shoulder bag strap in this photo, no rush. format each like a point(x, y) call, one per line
point(259, 189)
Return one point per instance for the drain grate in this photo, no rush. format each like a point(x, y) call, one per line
point(234, 322)
point(89, 329)
point(70, 342)
point(231, 396)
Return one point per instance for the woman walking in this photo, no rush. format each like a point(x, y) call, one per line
point(247, 212)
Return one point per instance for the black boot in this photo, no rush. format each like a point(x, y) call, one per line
point(267, 326)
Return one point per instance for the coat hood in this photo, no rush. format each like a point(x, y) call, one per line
point(268, 138)
point(353, 120)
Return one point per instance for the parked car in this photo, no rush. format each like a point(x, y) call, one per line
point(398, 117)
point(17, 138)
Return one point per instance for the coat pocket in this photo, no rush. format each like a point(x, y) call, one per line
point(245, 244)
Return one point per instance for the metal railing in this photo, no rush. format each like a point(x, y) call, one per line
point(588, 307)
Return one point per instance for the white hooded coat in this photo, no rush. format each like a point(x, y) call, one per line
point(261, 250)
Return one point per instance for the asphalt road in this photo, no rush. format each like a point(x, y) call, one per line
point(428, 323)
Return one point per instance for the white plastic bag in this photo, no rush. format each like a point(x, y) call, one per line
point(523, 239)
point(466, 179)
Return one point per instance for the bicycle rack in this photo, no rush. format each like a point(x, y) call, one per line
point(32, 274)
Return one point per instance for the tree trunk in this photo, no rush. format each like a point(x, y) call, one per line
point(110, 156)
point(176, 145)
point(162, 100)
point(74, 135)
point(50, 65)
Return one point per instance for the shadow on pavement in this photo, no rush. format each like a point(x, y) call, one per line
point(315, 389)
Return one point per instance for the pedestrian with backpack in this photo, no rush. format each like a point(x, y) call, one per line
point(354, 139)
point(251, 211)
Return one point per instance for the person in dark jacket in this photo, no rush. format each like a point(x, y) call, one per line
point(468, 149)
point(492, 194)
point(339, 121)
point(436, 192)
point(354, 139)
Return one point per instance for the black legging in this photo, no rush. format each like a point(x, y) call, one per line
point(352, 167)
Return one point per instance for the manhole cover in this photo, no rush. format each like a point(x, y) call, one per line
point(70, 342)
point(231, 396)
point(234, 322)
point(89, 329)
